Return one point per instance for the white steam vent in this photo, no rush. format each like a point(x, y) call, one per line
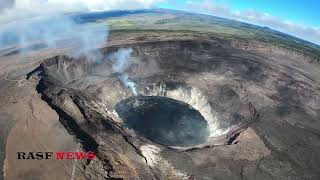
point(121, 62)
point(197, 100)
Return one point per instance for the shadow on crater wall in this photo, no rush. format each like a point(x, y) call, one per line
point(164, 120)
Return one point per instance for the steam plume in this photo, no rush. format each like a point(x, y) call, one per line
point(53, 32)
point(26, 22)
point(125, 79)
point(121, 62)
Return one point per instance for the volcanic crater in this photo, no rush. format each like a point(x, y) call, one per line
point(178, 84)
point(190, 95)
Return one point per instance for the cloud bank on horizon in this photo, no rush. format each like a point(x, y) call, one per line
point(15, 10)
point(11, 10)
point(24, 22)
point(308, 33)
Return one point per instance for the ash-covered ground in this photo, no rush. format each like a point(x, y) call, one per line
point(240, 108)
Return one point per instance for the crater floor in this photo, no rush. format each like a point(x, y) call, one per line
point(164, 120)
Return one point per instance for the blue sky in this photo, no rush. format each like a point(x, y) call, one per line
point(305, 12)
point(300, 18)
point(296, 17)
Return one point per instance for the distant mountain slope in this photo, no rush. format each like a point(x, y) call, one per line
point(172, 20)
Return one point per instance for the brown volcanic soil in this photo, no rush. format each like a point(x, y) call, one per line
point(52, 110)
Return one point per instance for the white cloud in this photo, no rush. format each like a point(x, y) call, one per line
point(29, 21)
point(13, 10)
point(105, 5)
point(4, 4)
point(311, 34)
point(33, 8)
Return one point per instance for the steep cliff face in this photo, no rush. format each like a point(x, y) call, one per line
point(231, 87)
point(310, 55)
point(269, 48)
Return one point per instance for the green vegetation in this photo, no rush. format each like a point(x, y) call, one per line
point(118, 23)
point(219, 27)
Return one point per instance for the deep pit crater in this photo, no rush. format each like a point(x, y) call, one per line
point(164, 120)
point(185, 101)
